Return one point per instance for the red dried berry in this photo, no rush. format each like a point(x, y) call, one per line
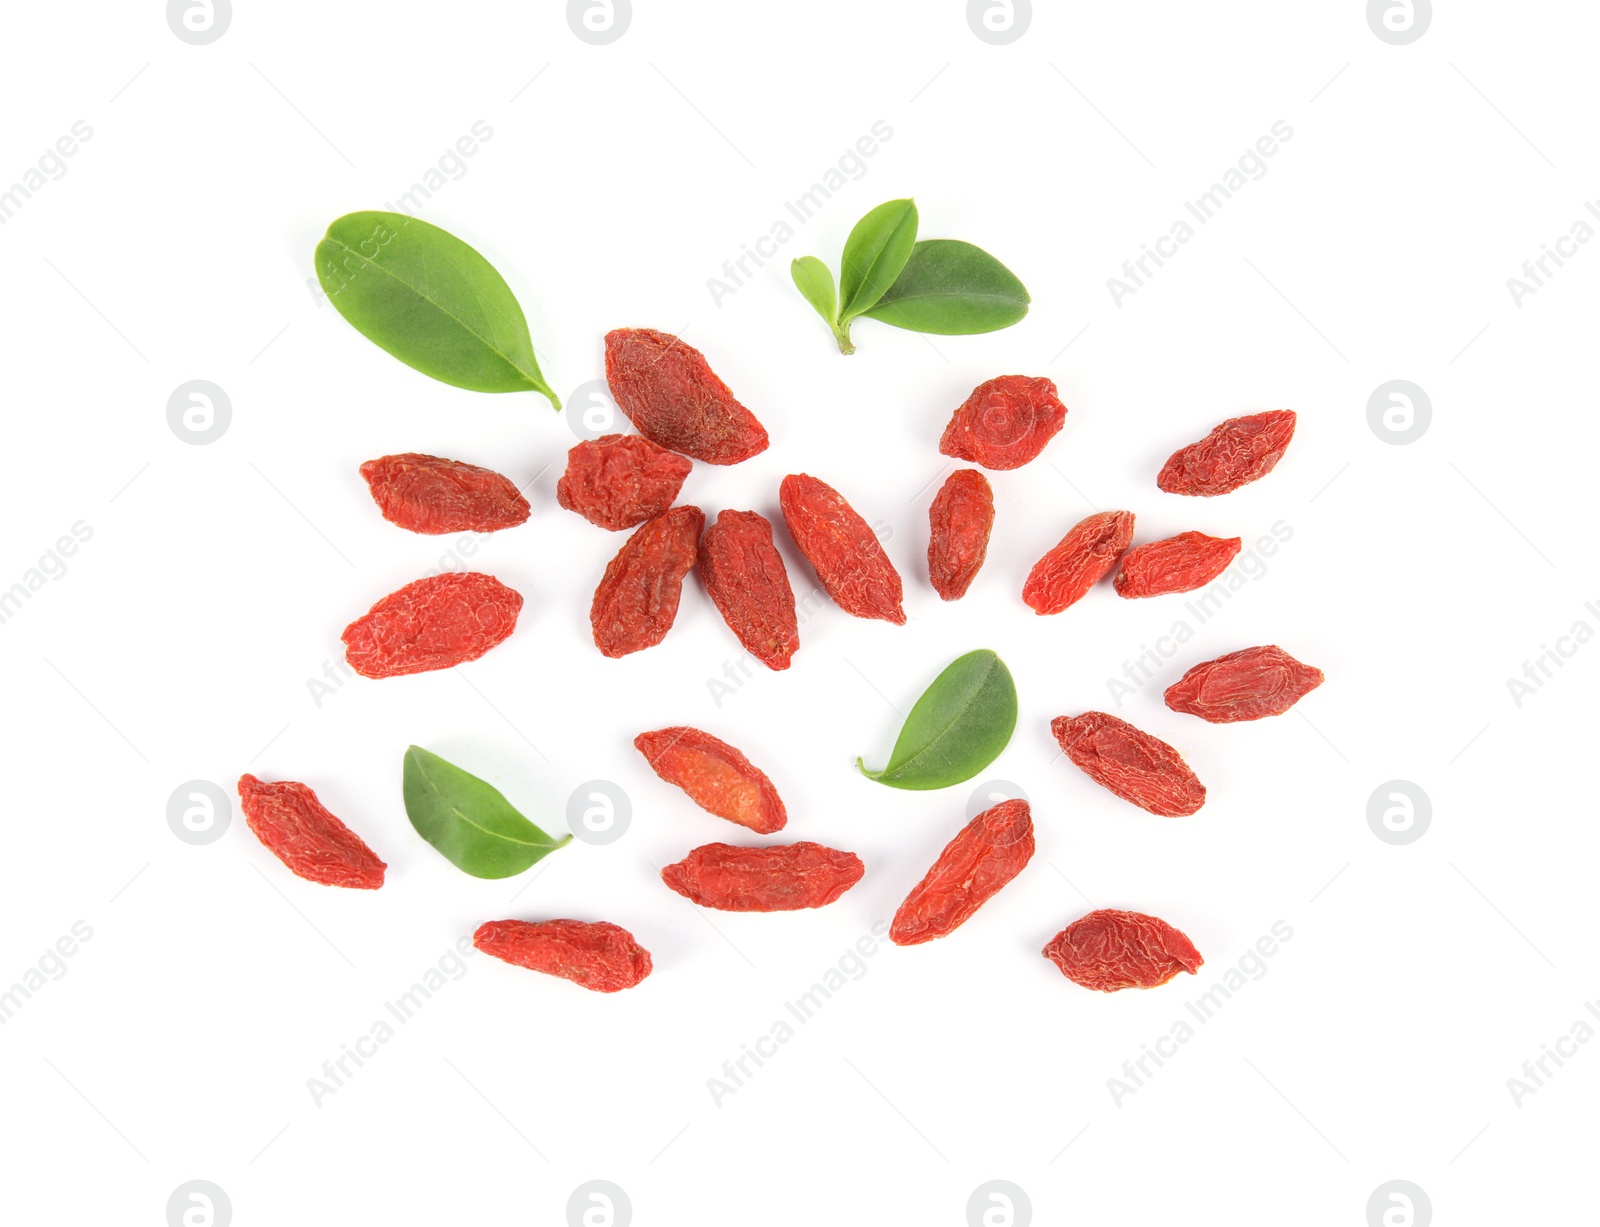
point(988, 853)
point(777, 878)
point(1005, 422)
point(959, 521)
point(298, 830)
point(1131, 763)
point(843, 549)
point(429, 494)
point(1078, 562)
point(1234, 454)
point(718, 778)
point(672, 398)
point(1175, 564)
point(1110, 950)
point(435, 623)
point(599, 956)
point(1244, 685)
point(637, 600)
point(620, 481)
point(745, 575)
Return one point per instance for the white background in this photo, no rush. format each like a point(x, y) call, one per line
point(179, 642)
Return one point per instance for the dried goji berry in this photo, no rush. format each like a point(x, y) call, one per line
point(988, 853)
point(717, 777)
point(600, 956)
point(1078, 562)
point(429, 494)
point(1110, 950)
point(1234, 454)
point(1131, 763)
point(300, 832)
point(745, 575)
point(1174, 564)
point(434, 623)
point(959, 522)
point(637, 600)
point(777, 878)
point(672, 398)
point(842, 547)
point(620, 481)
point(1005, 422)
point(1243, 685)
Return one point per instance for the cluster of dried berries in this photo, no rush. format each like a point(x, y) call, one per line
point(684, 412)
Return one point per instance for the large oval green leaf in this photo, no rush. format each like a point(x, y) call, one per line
point(877, 249)
point(468, 820)
point(431, 301)
point(959, 726)
point(952, 288)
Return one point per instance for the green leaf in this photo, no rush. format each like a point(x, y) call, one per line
point(430, 300)
point(952, 288)
point(958, 727)
point(876, 251)
point(476, 828)
point(813, 279)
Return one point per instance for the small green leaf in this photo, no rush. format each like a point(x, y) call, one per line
point(958, 727)
point(431, 301)
point(813, 279)
point(476, 828)
point(952, 288)
point(876, 251)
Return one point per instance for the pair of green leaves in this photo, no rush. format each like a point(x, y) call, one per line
point(958, 727)
point(431, 301)
point(942, 286)
point(469, 821)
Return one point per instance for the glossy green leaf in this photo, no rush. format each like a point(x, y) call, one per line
point(876, 251)
point(958, 727)
point(469, 821)
point(814, 280)
point(430, 300)
point(952, 288)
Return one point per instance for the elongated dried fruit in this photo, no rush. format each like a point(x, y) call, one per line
point(620, 481)
point(429, 494)
point(637, 600)
point(599, 956)
point(748, 583)
point(1110, 950)
point(1243, 685)
point(988, 853)
point(1005, 423)
point(1238, 452)
point(843, 549)
point(300, 832)
point(717, 777)
point(1174, 564)
point(1078, 562)
point(434, 623)
point(959, 523)
point(673, 398)
point(1131, 763)
point(776, 878)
